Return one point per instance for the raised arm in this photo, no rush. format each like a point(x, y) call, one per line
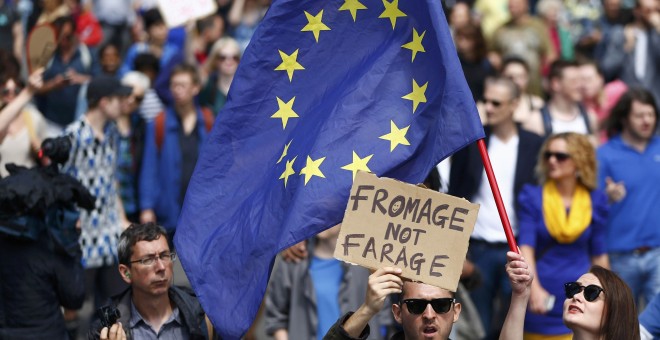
point(521, 283)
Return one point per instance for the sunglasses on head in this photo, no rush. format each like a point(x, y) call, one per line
point(15, 91)
point(591, 292)
point(495, 103)
point(559, 156)
point(440, 306)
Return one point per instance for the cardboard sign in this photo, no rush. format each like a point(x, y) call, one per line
point(41, 45)
point(421, 231)
point(177, 12)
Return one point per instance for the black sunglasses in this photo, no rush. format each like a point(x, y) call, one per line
point(440, 306)
point(15, 91)
point(496, 103)
point(560, 156)
point(224, 57)
point(591, 292)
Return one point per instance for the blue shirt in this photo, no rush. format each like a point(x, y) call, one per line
point(650, 317)
point(326, 275)
point(634, 221)
point(172, 329)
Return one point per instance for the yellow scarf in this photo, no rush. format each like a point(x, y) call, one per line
point(563, 229)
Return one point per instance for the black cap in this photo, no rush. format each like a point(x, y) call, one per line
point(106, 86)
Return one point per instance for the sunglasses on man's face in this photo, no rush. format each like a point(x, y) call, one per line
point(440, 306)
point(591, 292)
point(495, 103)
point(559, 156)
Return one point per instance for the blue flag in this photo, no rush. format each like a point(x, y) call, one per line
point(325, 89)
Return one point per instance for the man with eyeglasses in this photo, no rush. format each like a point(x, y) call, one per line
point(424, 311)
point(152, 308)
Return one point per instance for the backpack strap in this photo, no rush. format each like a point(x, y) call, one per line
point(208, 117)
point(159, 124)
point(547, 120)
point(585, 117)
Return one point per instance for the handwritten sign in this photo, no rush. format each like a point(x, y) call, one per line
point(421, 231)
point(177, 12)
point(41, 45)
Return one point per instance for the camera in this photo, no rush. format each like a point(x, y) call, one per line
point(57, 149)
point(108, 316)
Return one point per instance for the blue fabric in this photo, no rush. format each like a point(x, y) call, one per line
point(169, 52)
point(160, 176)
point(326, 275)
point(634, 221)
point(558, 263)
point(238, 213)
point(650, 317)
point(640, 271)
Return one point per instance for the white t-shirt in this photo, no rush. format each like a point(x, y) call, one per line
point(503, 157)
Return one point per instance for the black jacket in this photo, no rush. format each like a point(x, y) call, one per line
point(194, 318)
point(34, 283)
point(467, 167)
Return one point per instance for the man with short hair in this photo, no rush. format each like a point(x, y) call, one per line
point(152, 308)
point(513, 152)
point(172, 143)
point(424, 311)
point(629, 172)
point(564, 111)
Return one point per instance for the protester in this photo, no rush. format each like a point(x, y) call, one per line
point(598, 305)
point(417, 318)
point(516, 69)
point(20, 137)
point(12, 38)
point(110, 59)
point(472, 53)
point(172, 144)
point(562, 227)
point(628, 173)
point(649, 320)
point(513, 154)
point(152, 308)
point(219, 69)
point(564, 111)
point(552, 12)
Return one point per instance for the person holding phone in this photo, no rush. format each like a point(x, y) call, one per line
point(561, 228)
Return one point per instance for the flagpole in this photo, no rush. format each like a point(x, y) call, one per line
point(511, 240)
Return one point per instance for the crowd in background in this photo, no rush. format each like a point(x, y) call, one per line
point(558, 85)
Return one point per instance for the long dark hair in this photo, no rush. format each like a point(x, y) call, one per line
point(614, 123)
point(619, 321)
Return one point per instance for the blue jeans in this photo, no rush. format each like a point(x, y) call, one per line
point(641, 271)
point(490, 259)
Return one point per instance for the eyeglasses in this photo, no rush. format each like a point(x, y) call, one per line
point(165, 257)
point(591, 292)
point(225, 57)
point(15, 91)
point(496, 103)
point(559, 156)
point(440, 306)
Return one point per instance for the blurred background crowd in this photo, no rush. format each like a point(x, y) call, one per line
point(566, 89)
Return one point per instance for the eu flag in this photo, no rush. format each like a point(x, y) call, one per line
point(325, 88)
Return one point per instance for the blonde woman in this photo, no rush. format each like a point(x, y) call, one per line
point(218, 73)
point(562, 229)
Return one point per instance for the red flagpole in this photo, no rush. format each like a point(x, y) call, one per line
point(498, 197)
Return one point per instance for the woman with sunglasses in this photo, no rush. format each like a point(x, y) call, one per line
point(218, 73)
point(561, 228)
point(22, 127)
point(598, 305)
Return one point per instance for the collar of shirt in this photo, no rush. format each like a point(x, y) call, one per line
point(136, 318)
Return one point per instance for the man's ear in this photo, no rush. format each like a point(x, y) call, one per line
point(125, 273)
point(457, 310)
point(396, 311)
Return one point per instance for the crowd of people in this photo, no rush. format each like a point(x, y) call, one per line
point(568, 93)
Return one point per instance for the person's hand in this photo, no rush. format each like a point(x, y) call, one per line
point(629, 35)
point(616, 191)
point(295, 253)
point(538, 300)
point(654, 20)
point(518, 272)
point(77, 78)
point(147, 216)
point(36, 80)
point(116, 332)
point(382, 282)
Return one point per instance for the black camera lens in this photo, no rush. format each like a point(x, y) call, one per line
point(56, 149)
point(108, 316)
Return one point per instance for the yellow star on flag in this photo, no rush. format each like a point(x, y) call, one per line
point(396, 136)
point(312, 168)
point(285, 111)
point(289, 63)
point(353, 6)
point(392, 11)
point(288, 171)
point(358, 164)
point(416, 44)
point(418, 94)
point(285, 152)
point(315, 25)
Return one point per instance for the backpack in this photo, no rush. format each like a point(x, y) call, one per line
point(159, 122)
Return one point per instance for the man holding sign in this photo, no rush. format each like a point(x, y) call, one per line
point(418, 319)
